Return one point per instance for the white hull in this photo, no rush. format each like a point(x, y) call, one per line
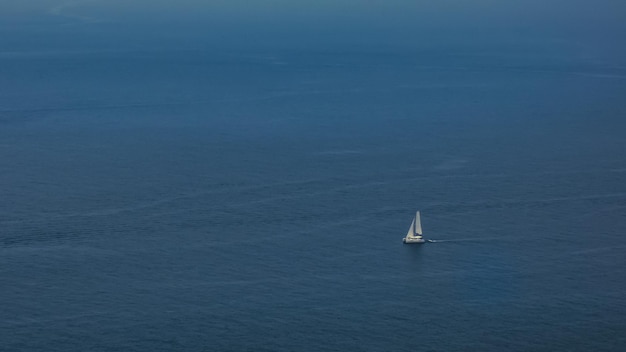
point(413, 240)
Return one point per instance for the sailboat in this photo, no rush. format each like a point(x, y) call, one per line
point(415, 231)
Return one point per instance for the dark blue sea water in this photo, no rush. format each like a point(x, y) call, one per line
point(194, 200)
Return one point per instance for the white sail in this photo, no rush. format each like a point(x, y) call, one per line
point(418, 224)
point(411, 232)
point(415, 231)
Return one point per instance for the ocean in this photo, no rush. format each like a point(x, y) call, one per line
point(200, 200)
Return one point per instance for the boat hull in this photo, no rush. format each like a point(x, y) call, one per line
point(413, 240)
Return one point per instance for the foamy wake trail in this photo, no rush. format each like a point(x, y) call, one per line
point(468, 239)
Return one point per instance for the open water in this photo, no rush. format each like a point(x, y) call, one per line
point(195, 200)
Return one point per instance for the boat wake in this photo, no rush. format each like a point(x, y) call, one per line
point(466, 239)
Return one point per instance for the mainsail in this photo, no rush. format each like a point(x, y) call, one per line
point(418, 224)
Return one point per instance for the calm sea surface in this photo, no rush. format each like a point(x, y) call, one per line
point(191, 200)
